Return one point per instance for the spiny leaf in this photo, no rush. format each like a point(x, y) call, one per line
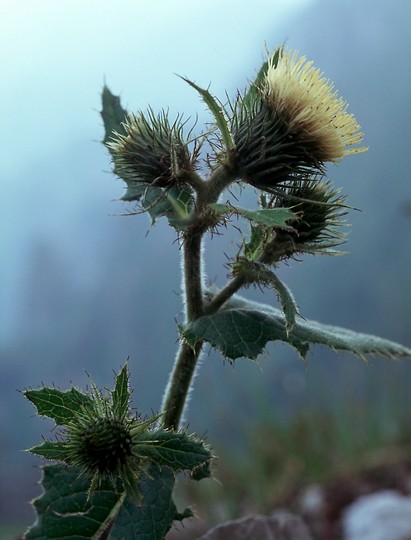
point(258, 273)
point(113, 114)
point(53, 450)
point(252, 93)
point(179, 451)
point(252, 248)
point(63, 510)
point(58, 405)
point(174, 203)
point(153, 519)
point(242, 328)
point(270, 217)
point(135, 191)
point(217, 110)
point(250, 96)
point(121, 394)
point(201, 472)
point(287, 300)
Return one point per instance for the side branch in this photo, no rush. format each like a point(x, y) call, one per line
point(225, 294)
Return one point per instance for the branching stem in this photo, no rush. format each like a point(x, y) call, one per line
point(225, 294)
point(185, 364)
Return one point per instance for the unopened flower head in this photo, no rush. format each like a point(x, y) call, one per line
point(107, 444)
point(102, 441)
point(294, 125)
point(152, 151)
point(321, 208)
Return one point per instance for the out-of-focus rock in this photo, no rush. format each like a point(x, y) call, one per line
point(380, 516)
point(280, 526)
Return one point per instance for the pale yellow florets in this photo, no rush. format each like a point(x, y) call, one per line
point(299, 92)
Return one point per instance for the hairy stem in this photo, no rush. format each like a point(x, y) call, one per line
point(220, 179)
point(186, 361)
point(192, 274)
point(225, 294)
point(179, 384)
point(181, 377)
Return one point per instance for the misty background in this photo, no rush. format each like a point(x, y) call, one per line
point(84, 288)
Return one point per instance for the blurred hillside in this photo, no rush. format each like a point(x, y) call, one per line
point(104, 290)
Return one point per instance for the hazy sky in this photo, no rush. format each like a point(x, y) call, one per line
point(54, 56)
point(54, 59)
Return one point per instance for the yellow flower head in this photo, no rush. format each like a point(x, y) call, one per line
point(290, 123)
point(299, 92)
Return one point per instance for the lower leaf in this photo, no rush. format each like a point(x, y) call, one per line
point(242, 328)
point(63, 510)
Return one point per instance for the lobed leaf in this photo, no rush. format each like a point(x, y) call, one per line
point(287, 301)
point(58, 405)
point(174, 203)
point(63, 510)
point(53, 450)
point(252, 93)
point(270, 217)
point(154, 517)
point(178, 451)
point(121, 394)
point(259, 273)
point(242, 328)
point(113, 114)
point(217, 110)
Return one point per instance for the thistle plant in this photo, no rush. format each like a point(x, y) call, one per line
point(115, 470)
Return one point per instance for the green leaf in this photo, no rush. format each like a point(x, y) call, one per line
point(175, 203)
point(135, 191)
point(242, 328)
point(63, 510)
point(287, 300)
point(154, 517)
point(121, 394)
point(270, 217)
point(250, 96)
point(258, 273)
point(58, 405)
point(252, 93)
point(252, 248)
point(179, 451)
point(113, 114)
point(53, 450)
point(217, 110)
point(201, 472)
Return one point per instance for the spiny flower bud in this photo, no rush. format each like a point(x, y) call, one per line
point(103, 445)
point(104, 441)
point(320, 208)
point(293, 123)
point(152, 151)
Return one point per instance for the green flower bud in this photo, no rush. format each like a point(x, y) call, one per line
point(104, 445)
point(152, 151)
point(104, 441)
point(320, 208)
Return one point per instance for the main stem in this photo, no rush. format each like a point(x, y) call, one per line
point(184, 367)
point(186, 361)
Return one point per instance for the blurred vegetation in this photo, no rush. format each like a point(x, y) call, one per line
point(315, 447)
